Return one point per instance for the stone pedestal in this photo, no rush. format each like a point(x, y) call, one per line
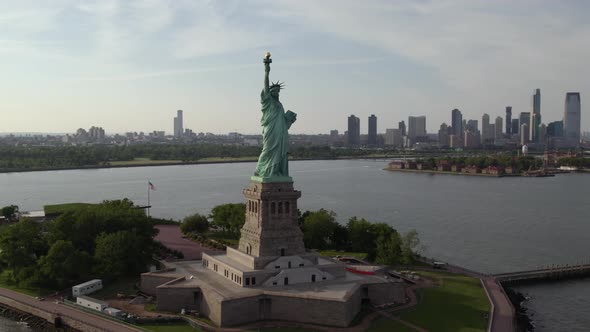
point(271, 227)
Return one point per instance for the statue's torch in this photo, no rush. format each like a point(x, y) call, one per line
point(267, 58)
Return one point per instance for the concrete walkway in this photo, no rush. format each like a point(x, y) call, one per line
point(52, 309)
point(503, 317)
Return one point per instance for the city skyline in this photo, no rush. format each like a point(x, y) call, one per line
point(71, 65)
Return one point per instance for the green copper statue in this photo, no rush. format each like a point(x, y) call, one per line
point(273, 161)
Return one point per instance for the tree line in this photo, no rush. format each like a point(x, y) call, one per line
point(43, 157)
point(381, 242)
point(107, 240)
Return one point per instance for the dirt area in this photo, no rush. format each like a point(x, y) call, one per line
point(135, 309)
point(171, 237)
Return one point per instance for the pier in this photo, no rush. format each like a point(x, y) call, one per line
point(552, 273)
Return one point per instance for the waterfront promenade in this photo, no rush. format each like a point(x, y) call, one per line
point(49, 310)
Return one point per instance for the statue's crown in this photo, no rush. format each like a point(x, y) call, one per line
point(277, 85)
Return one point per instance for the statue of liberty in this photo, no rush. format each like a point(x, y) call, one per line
point(273, 161)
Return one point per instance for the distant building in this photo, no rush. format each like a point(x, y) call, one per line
point(555, 129)
point(572, 118)
point(536, 101)
point(524, 134)
point(515, 126)
point(457, 122)
point(443, 136)
point(470, 140)
point(372, 137)
point(178, 124)
point(534, 127)
point(393, 137)
point(402, 126)
point(455, 142)
point(508, 121)
point(487, 133)
point(416, 128)
point(354, 131)
point(525, 118)
point(334, 133)
point(498, 128)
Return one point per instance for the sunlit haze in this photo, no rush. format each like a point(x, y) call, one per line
point(129, 65)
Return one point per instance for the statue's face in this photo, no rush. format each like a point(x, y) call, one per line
point(274, 93)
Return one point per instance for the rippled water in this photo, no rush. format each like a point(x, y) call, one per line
point(487, 224)
point(7, 325)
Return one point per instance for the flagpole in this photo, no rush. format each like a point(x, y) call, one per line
point(148, 190)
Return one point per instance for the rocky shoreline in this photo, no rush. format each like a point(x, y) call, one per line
point(35, 323)
point(523, 321)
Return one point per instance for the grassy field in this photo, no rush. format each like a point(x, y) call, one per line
point(62, 208)
point(459, 304)
point(111, 289)
point(388, 325)
point(333, 253)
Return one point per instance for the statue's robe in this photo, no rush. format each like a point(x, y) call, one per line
point(273, 160)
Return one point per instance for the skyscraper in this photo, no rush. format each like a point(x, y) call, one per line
point(372, 139)
point(572, 117)
point(515, 126)
point(443, 136)
point(416, 127)
point(508, 120)
point(457, 122)
point(525, 118)
point(178, 126)
point(354, 131)
point(524, 134)
point(498, 128)
point(534, 127)
point(555, 129)
point(486, 133)
point(402, 126)
point(537, 102)
point(535, 117)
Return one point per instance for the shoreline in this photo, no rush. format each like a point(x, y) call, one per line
point(429, 171)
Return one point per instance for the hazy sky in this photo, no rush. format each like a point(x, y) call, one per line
point(129, 65)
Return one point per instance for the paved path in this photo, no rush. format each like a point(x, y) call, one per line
point(84, 317)
point(503, 319)
point(171, 237)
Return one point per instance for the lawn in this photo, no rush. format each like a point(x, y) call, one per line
point(333, 253)
point(459, 304)
point(111, 289)
point(62, 208)
point(388, 325)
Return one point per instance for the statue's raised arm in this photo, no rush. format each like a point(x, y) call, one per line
point(267, 61)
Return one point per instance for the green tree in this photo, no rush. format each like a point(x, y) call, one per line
point(321, 231)
point(9, 212)
point(20, 245)
point(229, 217)
point(195, 223)
point(64, 265)
point(388, 249)
point(360, 234)
point(120, 254)
point(410, 245)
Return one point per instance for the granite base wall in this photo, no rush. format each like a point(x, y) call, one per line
point(150, 281)
point(386, 293)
